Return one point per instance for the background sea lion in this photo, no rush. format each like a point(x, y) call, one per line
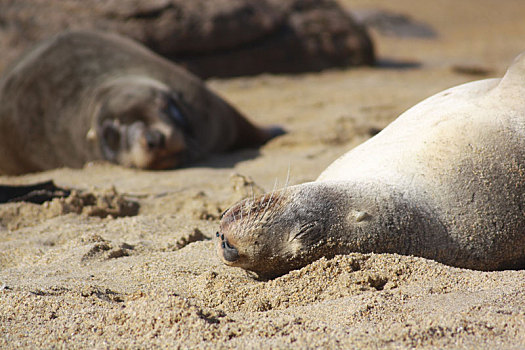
point(444, 181)
point(83, 96)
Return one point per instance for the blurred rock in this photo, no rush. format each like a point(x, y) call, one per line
point(394, 24)
point(212, 38)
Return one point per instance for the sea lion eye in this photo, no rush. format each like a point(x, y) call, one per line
point(155, 139)
point(176, 115)
point(303, 230)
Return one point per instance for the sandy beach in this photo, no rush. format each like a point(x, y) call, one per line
point(72, 279)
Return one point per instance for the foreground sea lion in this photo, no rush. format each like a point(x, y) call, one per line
point(445, 181)
point(84, 96)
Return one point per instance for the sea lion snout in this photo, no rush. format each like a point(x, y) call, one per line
point(269, 234)
point(139, 145)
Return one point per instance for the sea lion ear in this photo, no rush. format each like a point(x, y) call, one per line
point(177, 113)
point(110, 140)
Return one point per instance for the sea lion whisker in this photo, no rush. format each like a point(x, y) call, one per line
point(258, 203)
point(241, 212)
point(250, 204)
point(233, 214)
point(274, 188)
point(287, 176)
point(256, 208)
point(270, 199)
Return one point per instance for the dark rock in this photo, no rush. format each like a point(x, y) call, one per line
point(212, 38)
point(101, 204)
point(394, 24)
point(34, 193)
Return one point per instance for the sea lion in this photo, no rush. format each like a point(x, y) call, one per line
point(444, 181)
point(84, 96)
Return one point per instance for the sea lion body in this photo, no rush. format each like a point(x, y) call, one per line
point(84, 96)
point(445, 181)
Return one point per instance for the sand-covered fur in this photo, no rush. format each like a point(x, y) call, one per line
point(444, 181)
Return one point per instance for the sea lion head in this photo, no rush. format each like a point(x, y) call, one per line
point(278, 232)
point(141, 123)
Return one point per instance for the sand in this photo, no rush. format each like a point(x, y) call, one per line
point(72, 278)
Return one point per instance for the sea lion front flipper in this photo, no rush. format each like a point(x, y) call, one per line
point(274, 131)
point(250, 135)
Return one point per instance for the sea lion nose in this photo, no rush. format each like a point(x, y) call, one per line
point(155, 139)
point(229, 252)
